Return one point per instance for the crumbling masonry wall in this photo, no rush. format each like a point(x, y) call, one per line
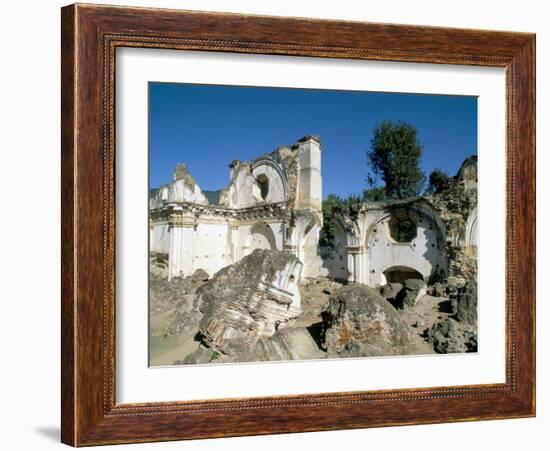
point(272, 202)
point(275, 202)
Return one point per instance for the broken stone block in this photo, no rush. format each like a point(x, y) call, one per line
point(359, 322)
point(454, 282)
point(175, 293)
point(446, 337)
point(413, 290)
point(200, 356)
point(199, 276)
point(464, 303)
point(439, 290)
point(470, 339)
point(390, 291)
point(249, 300)
point(287, 344)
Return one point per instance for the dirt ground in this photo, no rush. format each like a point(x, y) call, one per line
point(165, 349)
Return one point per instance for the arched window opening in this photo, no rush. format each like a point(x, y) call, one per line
point(262, 237)
point(402, 228)
point(263, 183)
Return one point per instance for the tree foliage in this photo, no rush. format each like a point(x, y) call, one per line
point(438, 181)
point(375, 194)
point(394, 156)
point(333, 205)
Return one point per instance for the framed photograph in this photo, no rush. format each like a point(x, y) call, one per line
point(279, 225)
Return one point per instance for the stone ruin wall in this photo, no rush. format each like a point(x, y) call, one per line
point(444, 242)
point(274, 202)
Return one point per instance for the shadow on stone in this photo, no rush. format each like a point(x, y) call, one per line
point(445, 307)
point(316, 331)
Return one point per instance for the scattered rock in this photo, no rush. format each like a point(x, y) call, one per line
point(158, 265)
point(390, 291)
point(359, 322)
point(410, 294)
point(454, 282)
point(176, 293)
point(185, 322)
point(464, 303)
point(470, 336)
point(439, 290)
point(249, 300)
point(201, 355)
point(448, 337)
point(200, 276)
point(445, 338)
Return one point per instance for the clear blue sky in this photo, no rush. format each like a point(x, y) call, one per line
point(207, 127)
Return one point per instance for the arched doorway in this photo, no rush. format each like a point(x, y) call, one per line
point(398, 274)
point(262, 237)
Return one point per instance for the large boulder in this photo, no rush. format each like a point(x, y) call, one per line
point(176, 293)
point(445, 337)
point(448, 336)
point(158, 265)
point(292, 343)
point(390, 291)
point(249, 300)
point(199, 276)
point(359, 322)
point(413, 290)
point(464, 303)
point(439, 290)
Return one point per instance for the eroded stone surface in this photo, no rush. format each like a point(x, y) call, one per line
point(359, 322)
point(390, 291)
point(448, 337)
point(411, 293)
point(249, 300)
point(464, 303)
point(286, 344)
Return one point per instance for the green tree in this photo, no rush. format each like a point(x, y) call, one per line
point(375, 194)
point(394, 156)
point(438, 181)
point(333, 205)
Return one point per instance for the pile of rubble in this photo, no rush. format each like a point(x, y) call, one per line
point(459, 332)
point(258, 310)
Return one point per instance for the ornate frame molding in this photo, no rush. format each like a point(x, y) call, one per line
point(90, 36)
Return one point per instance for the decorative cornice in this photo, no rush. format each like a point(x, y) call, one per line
point(174, 211)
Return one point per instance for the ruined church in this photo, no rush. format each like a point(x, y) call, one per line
point(275, 202)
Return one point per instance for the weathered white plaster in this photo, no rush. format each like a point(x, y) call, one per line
point(254, 212)
point(274, 202)
point(159, 238)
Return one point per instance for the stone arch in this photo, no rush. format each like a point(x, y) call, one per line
point(262, 237)
point(269, 174)
point(417, 215)
point(424, 254)
point(398, 274)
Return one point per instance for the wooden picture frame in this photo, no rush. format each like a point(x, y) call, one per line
point(90, 36)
